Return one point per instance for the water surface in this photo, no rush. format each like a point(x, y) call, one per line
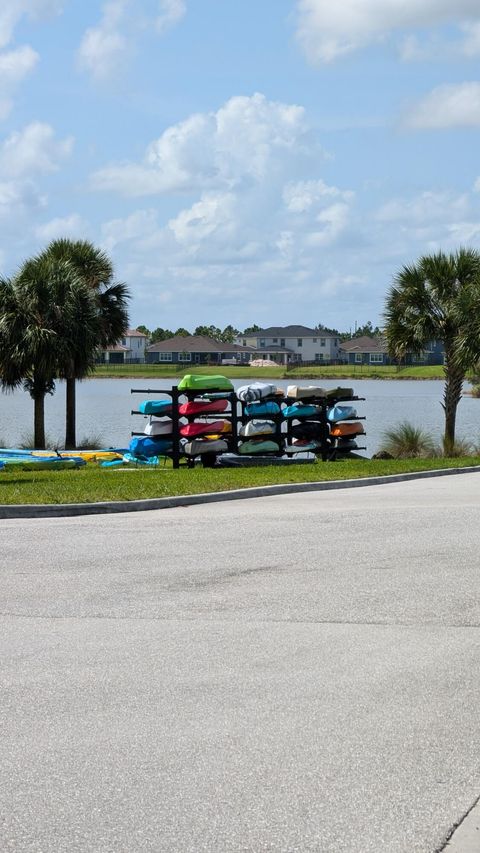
point(104, 405)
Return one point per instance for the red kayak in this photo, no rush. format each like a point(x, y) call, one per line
point(199, 407)
point(205, 428)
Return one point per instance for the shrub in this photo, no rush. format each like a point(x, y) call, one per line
point(407, 441)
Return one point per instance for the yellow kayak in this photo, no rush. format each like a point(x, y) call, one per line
point(88, 455)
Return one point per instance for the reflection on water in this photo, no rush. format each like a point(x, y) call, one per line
point(104, 406)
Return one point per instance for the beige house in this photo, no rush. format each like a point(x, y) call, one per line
point(285, 344)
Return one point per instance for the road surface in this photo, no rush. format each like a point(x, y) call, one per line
point(295, 673)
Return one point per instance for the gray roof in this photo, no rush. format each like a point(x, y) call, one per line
point(271, 348)
point(291, 332)
point(195, 343)
point(364, 344)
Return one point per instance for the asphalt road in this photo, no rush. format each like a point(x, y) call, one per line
point(295, 673)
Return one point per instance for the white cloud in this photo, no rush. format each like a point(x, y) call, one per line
point(32, 151)
point(103, 48)
point(242, 143)
point(446, 106)
point(328, 30)
point(106, 48)
point(14, 67)
point(66, 226)
point(140, 224)
point(257, 214)
point(170, 13)
point(12, 11)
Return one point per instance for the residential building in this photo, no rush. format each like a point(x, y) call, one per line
point(365, 350)
point(285, 344)
point(196, 349)
point(129, 349)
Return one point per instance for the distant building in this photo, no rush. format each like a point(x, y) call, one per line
point(372, 351)
point(196, 349)
point(129, 350)
point(285, 344)
point(365, 350)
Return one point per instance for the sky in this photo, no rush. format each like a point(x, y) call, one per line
point(242, 161)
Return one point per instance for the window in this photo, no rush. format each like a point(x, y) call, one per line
point(275, 340)
point(282, 342)
point(299, 342)
point(335, 343)
point(376, 358)
point(323, 342)
point(124, 342)
point(314, 340)
point(319, 356)
point(262, 342)
point(164, 356)
point(358, 357)
point(244, 342)
point(184, 356)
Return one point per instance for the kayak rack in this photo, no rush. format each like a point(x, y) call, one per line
point(329, 448)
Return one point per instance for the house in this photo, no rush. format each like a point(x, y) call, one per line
point(365, 350)
point(196, 349)
point(129, 350)
point(285, 344)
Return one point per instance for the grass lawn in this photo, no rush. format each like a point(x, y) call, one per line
point(93, 483)
point(327, 372)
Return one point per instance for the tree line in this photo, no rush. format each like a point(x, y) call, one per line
point(229, 333)
point(60, 308)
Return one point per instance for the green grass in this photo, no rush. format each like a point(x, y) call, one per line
point(93, 483)
point(345, 371)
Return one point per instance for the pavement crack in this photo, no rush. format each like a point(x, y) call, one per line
point(450, 836)
point(108, 617)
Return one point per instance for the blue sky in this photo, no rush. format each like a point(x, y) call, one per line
point(265, 162)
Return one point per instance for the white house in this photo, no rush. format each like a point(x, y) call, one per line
point(293, 343)
point(130, 348)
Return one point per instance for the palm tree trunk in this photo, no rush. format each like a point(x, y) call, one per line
point(70, 414)
point(454, 376)
point(39, 421)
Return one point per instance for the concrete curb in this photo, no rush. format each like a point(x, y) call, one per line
point(67, 510)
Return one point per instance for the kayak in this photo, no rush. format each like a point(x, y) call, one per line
point(347, 429)
point(198, 407)
point(155, 407)
point(148, 447)
point(341, 413)
point(205, 428)
point(87, 455)
point(256, 428)
point(268, 408)
point(198, 382)
point(200, 445)
point(300, 410)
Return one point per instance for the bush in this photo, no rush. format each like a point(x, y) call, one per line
point(407, 441)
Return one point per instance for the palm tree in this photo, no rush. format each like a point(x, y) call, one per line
point(95, 269)
point(438, 298)
point(39, 312)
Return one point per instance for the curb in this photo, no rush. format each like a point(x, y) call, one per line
point(101, 508)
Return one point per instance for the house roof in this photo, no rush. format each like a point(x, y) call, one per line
point(364, 344)
point(196, 343)
point(134, 333)
point(116, 348)
point(271, 348)
point(290, 332)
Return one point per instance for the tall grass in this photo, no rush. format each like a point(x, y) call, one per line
point(406, 441)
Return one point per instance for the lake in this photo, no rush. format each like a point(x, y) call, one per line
point(104, 405)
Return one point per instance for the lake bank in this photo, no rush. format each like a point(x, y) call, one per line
point(354, 371)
